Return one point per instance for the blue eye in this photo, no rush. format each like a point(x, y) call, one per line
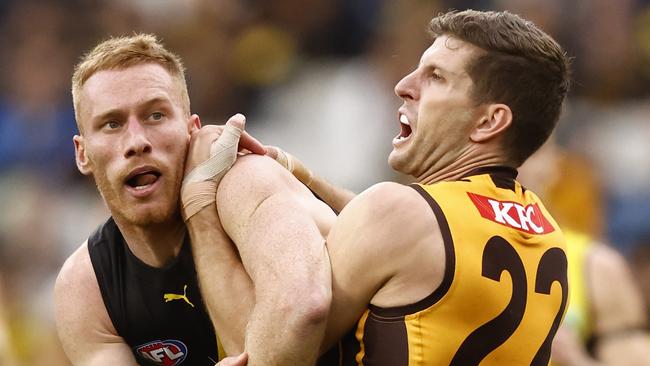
point(112, 125)
point(157, 116)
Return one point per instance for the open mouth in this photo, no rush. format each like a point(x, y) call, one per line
point(141, 179)
point(405, 125)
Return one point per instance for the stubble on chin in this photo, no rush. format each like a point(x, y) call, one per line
point(139, 216)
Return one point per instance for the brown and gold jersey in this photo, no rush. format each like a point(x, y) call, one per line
point(504, 291)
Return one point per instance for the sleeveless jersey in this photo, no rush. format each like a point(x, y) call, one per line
point(504, 290)
point(158, 311)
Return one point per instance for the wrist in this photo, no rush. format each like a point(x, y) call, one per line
point(302, 173)
point(196, 197)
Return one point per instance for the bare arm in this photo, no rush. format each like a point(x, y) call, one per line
point(570, 350)
point(279, 230)
point(226, 288)
point(618, 311)
point(336, 197)
point(85, 329)
point(231, 302)
point(384, 249)
point(619, 319)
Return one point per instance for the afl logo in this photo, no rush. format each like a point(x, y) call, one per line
point(169, 352)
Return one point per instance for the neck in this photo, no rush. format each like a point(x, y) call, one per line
point(154, 244)
point(460, 167)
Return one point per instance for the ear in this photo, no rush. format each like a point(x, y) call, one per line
point(497, 118)
point(83, 164)
point(194, 123)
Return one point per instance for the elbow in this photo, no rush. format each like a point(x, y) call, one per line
point(308, 311)
point(318, 305)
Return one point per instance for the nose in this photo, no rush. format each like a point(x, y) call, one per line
point(406, 88)
point(136, 141)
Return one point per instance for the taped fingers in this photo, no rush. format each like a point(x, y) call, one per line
point(292, 164)
point(200, 185)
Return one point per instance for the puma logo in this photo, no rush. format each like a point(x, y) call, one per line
point(172, 297)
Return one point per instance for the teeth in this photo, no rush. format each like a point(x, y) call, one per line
point(403, 119)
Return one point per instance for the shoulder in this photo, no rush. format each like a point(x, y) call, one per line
point(392, 225)
point(388, 216)
point(76, 273)
point(604, 259)
point(607, 268)
point(615, 298)
point(81, 315)
point(258, 183)
point(390, 203)
point(255, 177)
point(256, 169)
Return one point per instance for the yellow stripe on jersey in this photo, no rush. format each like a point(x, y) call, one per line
point(220, 351)
point(505, 287)
point(578, 315)
point(359, 334)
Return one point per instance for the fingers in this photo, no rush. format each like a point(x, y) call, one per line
point(246, 141)
point(272, 152)
point(235, 127)
point(238, 121)
point(250, 143)
point(281, 157)
point(241, 360)
point(230, 136)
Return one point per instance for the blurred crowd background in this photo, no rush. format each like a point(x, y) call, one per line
point(315, 77)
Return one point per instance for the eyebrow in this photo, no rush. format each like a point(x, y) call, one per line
point(432, 66)
point(116, 112)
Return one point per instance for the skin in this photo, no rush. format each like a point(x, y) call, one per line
point(279, 229)
point(131, 119)
point(336, 197)
point(617, 307)
point(618, 314)
point(451, 135)
point(611, 282)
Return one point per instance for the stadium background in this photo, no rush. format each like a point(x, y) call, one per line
point(313, 76)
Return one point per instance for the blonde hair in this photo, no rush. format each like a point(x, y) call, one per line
point(122, 52)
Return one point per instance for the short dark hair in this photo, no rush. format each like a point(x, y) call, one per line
point(522, 67)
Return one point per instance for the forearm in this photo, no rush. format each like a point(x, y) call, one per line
point(226, 288)
point(290, 268)
point(278, 335)
point(335, 197)
point(82, 353)
point(276, 225)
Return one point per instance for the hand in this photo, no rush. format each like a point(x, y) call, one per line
point(241, 360)
point(202, 139)
point(292, 164)
point(212, 151)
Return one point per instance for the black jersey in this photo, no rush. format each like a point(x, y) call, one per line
point(158, 311)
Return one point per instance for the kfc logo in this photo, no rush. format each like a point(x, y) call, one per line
point(512, 214)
